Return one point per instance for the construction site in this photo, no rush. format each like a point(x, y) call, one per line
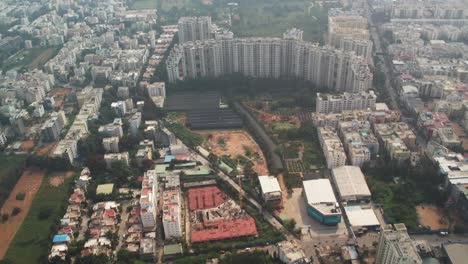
point(214, 216)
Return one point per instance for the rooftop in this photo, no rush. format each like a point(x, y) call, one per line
point(361, 217)
point(105, 188)
point(269, 184)
point(350, 181)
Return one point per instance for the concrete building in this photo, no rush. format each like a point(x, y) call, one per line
point(134, 123)
point(67, 149)
point(3, 138)
point(52, 127)
point(143, 154)
point(148, 200)
point(156, 89)
point(271, 191)
point(328, 103)
point(396, 247)
point(321, 201)
point(119, 107)
point(290, 253)
point(397, 138)
point(111, 144)
point(359, 141)
point(114, 157)
point(457, 253)
point(270, 58)
point(171, 218)
point(351, 184)
point(332, 147)
point(112, 129)
point(194, 28)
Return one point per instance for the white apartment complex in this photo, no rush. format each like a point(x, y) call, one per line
point(350, 33)
point(171, 218)
point(270, 58)
point(156, 89)
point(194, 28)
point(396, 246)
point(114, 157)
point(332, 147)
point(111, 144)
point(329, 103)
point(148, 200)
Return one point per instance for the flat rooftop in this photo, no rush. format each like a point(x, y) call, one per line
point(269, 184)
point(319, 191)
point(457, 252)
point(350, 181)
point(361, 217)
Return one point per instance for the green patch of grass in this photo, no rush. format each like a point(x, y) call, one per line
point(10, 170)
point(272, 18)
point(189, 138)
point(32, 241)
point(23, 58)
point(143, 4)
point(282, 126)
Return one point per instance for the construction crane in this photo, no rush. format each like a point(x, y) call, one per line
point(240, 184)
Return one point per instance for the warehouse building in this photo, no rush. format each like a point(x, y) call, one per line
point(351, 184)
point(361, 218)
point(321, 201)
point(271, 191)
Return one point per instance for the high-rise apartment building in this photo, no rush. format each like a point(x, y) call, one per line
point(289, 57)
point(194, 28)
point(396, 246)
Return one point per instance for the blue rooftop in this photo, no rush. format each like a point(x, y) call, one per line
point(60, 238)
point(169, 158)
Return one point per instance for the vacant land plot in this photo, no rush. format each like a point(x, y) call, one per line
point(30, 58)
point(11, 167)
point(432, 217)
point(46, 149)
point(59, 95)
point(40, 60)
point(143, 4)
point(270, 18)
point(27, 145)
point(28, 184)
point(234, 143)
point(58, 178)
point(32, 241)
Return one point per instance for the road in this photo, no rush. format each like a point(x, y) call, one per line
point(436, 240)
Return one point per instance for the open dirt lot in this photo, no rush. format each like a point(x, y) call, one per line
point(57, 178)
point(45, 150)
point(295, 207)
point(27, 145)
point(29, 183)
point(235, 143)
point(59, 95)
point(432, 217)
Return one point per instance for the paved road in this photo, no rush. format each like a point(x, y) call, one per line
point(436, 240)
point(122, 225)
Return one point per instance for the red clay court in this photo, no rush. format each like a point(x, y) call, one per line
point(205, 198)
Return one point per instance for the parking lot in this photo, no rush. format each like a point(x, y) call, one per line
point(296, 208)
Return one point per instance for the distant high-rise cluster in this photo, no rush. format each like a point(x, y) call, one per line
point(349, 32)
point(194, 28)
point(287, 57)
